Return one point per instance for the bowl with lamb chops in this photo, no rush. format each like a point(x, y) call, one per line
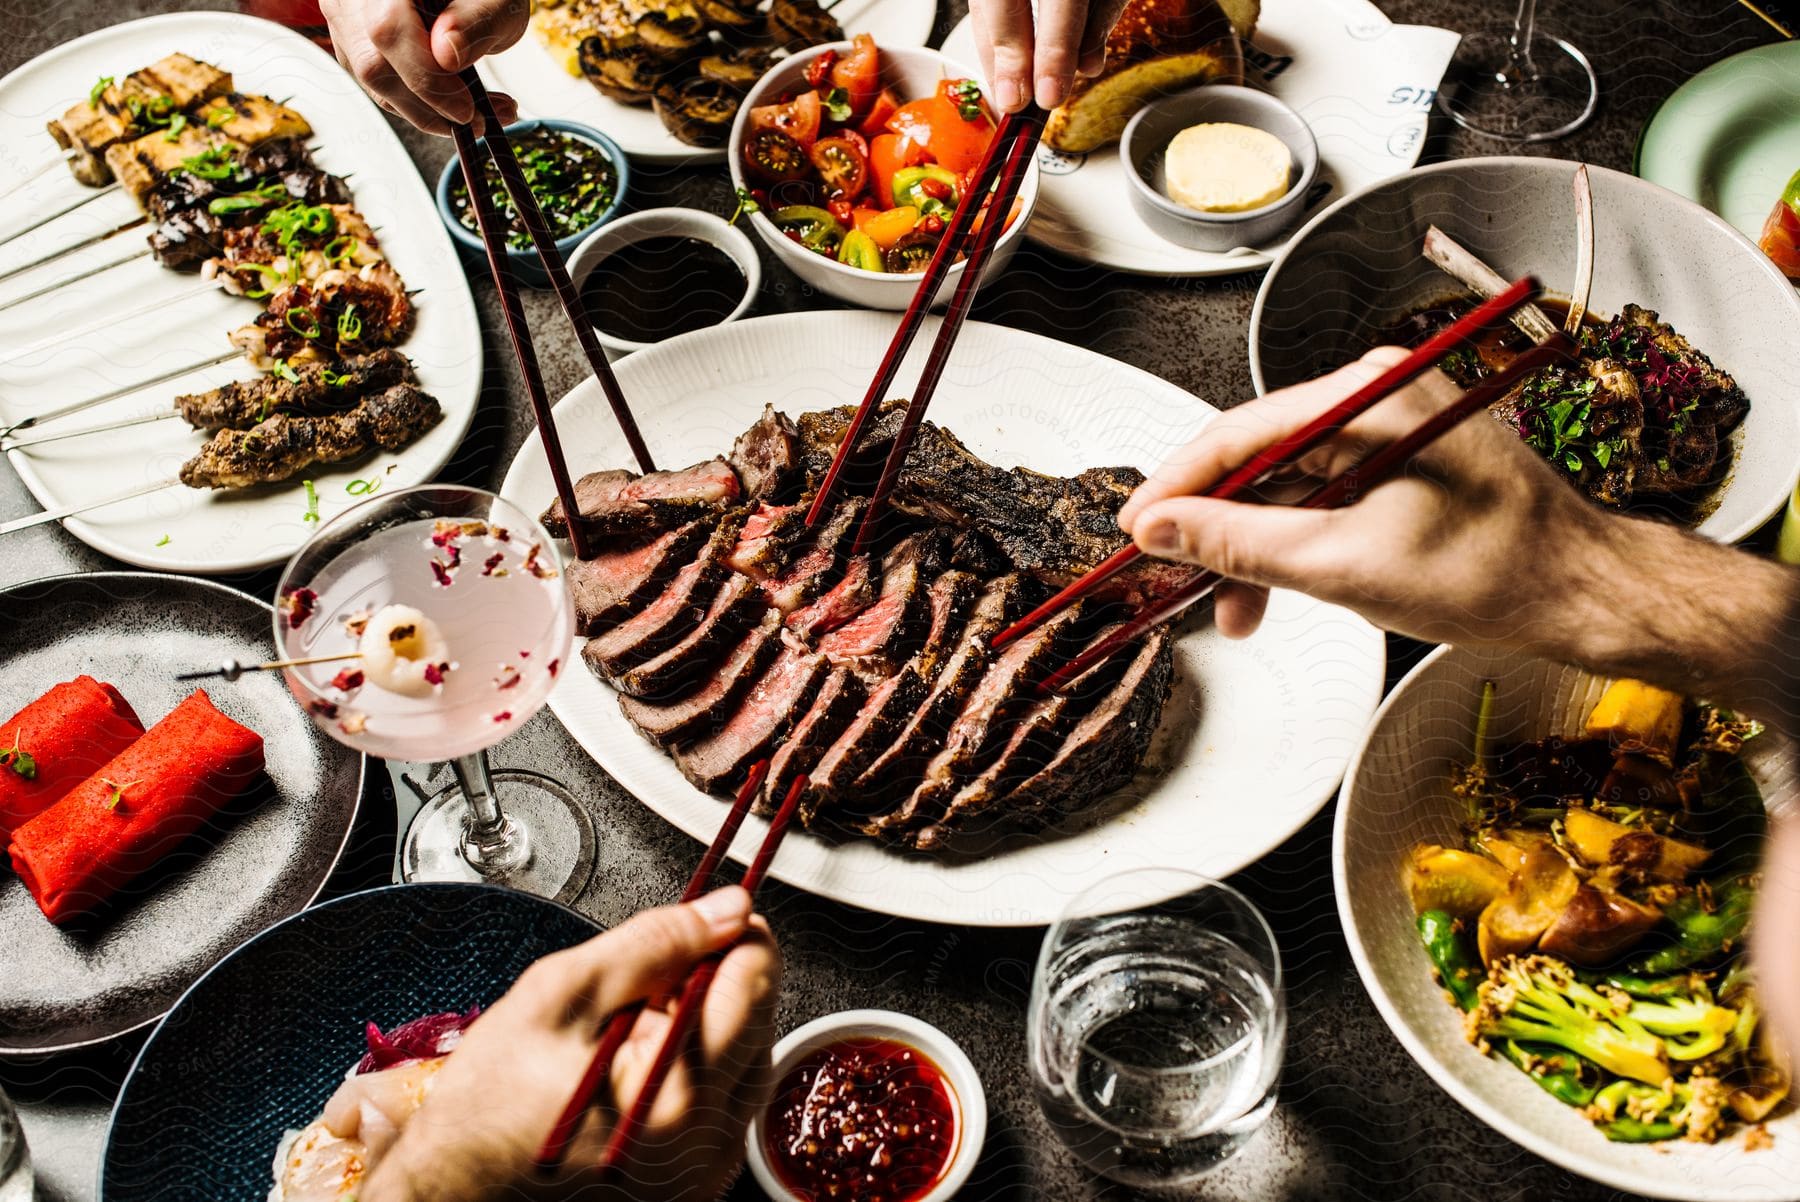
point(1682, 405)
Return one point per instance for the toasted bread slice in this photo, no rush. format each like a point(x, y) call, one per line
point(1158, 46)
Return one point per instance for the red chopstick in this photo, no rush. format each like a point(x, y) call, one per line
point(1012, 177)
point(1485, 316)
point(693, 994)
point(1014, 129)
point(556, 1145)
point(1341, 490)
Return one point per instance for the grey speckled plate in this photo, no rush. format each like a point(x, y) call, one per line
point(266, 857)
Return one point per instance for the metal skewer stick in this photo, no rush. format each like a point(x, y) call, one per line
point(231, 669)
point(62, 339)
point(79, 276)
point(62, 212)
point(57, 515)
point(20, 444)
point(66, 251)
point(73, 407)
point(38, 172)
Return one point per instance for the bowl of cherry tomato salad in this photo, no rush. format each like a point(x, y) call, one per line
point(851, 159)
point(869, 1105)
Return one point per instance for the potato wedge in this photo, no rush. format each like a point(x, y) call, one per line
point(1638, 718)
point(1602, 843)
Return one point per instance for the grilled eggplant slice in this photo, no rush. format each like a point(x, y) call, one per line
point(739, 68)
point(797, 24)
point(698, 110)
point(628, 74)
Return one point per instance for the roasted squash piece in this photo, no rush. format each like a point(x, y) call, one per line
point(1639, 719)
point(1460, 883)
point(1597, 926)
point(1510, 848)
point(1535, 898)
point(1603, 843)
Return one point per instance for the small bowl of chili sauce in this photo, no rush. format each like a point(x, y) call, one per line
point(869, 1106)
point(578, 174)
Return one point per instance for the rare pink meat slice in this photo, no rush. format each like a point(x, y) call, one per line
point(1007, 688)
point(894, 773)
point(880, 638)
point(767, 456)
point(667, 722)
point(887, 711)
point(671, 616)
point(1103, 751)
point(818, 564)
point(852, 594)
point(718, 762)
point(952, 598)
point(735, 607)
point(616, 502)
point(836, 706)
point(768, 540)
point(615, 584)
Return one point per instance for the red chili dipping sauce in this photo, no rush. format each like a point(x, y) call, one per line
point(869, 1120)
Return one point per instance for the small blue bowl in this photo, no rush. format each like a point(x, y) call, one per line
point(527, 267)
point(259, 1043)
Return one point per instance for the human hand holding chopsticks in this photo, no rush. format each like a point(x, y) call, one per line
point(478, 1132)
point(1035, 55)
point(411, 70)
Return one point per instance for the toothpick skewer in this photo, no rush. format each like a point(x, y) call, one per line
point(231, 669)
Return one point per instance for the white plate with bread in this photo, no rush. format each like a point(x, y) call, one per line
point(1363, 84)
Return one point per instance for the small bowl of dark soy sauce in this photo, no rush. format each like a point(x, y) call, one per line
point(578, 174)
point(661, 273)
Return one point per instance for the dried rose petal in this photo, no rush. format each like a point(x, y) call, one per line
point(503, 716)
point(454, 558)
point(297, 605)
point(434, 673)
point(508, 678)
point(347, 681)
point(358, 622)
point(475, 528)
point(494, 561)
point(534, 567)
point(502, 534)
point(554, 665)
point(322, 708)
point(442, 573)
point(524, 655)
point(354, 723)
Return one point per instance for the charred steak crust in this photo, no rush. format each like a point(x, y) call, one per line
point(839, 701)
point(667, 723)
point(615, 584)
point(766, 457)
point(818, 561)
point(617, 503)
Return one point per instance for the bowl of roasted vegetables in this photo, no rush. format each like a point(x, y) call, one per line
point(1547, 881)
point(850, 159)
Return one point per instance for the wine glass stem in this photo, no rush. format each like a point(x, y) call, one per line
point(1524, 24)
point(491, 841)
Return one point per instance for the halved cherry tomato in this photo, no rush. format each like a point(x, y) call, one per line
point(911, 253)
point(968, 97)
point(876, 121)
point(798, 119)
point(840, 209)
point(1781, 239)
point(859, 250)
point(819, 68)
point(888, 154)
point(1012, 215)
point(889, 227)
point(855, 139)
point(859, 73)
point(841, 167)
point(774, 156)
point(934, 124)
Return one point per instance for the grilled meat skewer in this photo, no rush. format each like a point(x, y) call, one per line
point(278, 172)
point(342, 312)
point(131, 108)
point(317, 389)
point(281, 447)
point(240, 121)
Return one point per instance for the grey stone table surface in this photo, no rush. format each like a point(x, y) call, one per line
point(1357, 1118)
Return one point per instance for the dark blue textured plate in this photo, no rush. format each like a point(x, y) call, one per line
point(257, 1045)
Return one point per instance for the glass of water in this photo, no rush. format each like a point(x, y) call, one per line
point(1157, 1026)
point(15, 1157)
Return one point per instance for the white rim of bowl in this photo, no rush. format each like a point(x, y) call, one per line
point(630, 230)
point(734, 146)
point(944, 1052)
point(1301, 184)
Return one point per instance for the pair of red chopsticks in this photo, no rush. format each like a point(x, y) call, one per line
point(1002, 169)
point(493, 237)
point(1341, 490)
point(687, 1007)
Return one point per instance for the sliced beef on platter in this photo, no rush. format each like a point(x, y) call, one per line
point(822, 432)
point(718, 761)
point(770, 537)
point(818, 561)
point(897, 769)
point(736, 605)
point(667, 722)
point(885, 714)
point(615, 584)
point(853, 593)
point(837, 704)
point(620, 503)
point(1105, 747)
point(672, 615)
point(1006, 690)
point(952, 599)
point(766, 457)
point(879, 639)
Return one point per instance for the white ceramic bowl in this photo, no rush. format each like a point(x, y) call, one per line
point(901, 1028)
point(1395, 795)
point(664, 223)
point(1356, 266)
point(912, 73)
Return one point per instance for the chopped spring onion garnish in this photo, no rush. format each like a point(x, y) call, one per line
point(333, 379)
point(281, 371)
point(163, 541)
point(215, 163)
point(303, 321)
point(349, 325)
point(220, 117)
point(177, 123)
point(296, 222)
point(312, 502)
point(257, 198)
point(342, 249)
point(99, 90)
point(362, 488)
point(968, 99)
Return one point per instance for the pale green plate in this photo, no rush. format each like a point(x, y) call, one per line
point(1729, 138)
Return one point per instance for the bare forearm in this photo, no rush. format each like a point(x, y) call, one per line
point(1709, 621)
